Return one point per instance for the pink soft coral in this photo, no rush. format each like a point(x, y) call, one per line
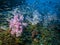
point(16, 25)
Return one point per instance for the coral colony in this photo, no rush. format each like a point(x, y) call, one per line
point(16, 25)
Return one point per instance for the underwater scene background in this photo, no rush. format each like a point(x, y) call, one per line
point(29, 22)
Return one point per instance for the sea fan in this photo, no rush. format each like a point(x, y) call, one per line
point(36, 18)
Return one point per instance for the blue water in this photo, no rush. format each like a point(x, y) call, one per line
point(44, 5)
